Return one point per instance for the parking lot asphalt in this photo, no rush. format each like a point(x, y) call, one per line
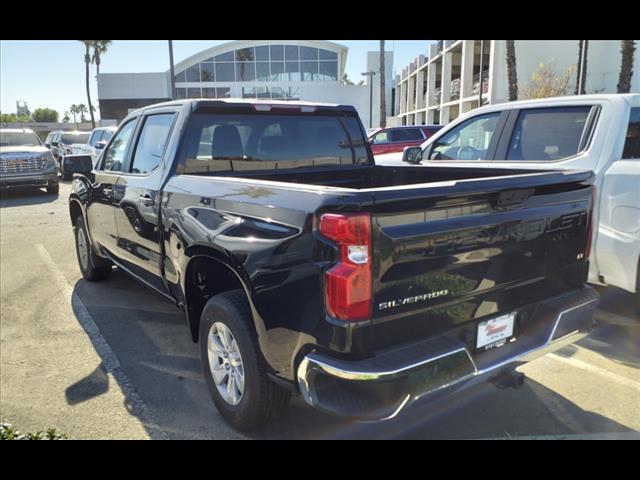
point(114, 360)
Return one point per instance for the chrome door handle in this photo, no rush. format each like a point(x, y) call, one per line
point(146, 199)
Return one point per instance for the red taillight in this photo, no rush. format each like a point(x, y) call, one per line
point(348, 284)
point(590, 227)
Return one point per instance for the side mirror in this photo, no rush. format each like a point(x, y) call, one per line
point(48, 145)
point(81, 164)
point(100, 145)
point(55, 144)
point(412, 155)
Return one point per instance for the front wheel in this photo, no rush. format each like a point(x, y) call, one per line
point(53, 188)
point(92, 266)
point(235, 371)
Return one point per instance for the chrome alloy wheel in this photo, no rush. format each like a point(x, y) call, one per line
point(83, 249)
point(225, 363)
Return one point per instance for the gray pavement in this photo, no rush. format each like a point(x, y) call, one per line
point(114, 360)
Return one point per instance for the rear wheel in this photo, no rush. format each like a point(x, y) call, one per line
point(235, 371)
point(92, 266)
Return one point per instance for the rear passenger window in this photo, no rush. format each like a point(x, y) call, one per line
point(548, 133)
point(151, 143)
point(405, 135)
point(632, 141)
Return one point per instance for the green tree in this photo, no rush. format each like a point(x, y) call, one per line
point(45, 115)
point(66, 118)
point(87, 61)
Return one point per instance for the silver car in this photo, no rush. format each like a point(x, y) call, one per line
point(25, 161)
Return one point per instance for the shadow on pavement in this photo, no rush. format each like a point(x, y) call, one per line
point(20, 197)
point(150, 338)
point(93, 385)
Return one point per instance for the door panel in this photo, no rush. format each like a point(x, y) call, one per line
point(137, 195)
point(100, 210)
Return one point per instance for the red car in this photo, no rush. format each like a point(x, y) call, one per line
point(394, 139)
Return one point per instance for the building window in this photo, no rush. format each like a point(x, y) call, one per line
point(208, 93)
point(248, 92)
point(327, 55)
point(223, 92)
point(309, 71)
point(293, 69)
point(181, 77)
point(225, 72)
point(207, 72)
point(194, 93)
point(224, 57)
point(262, 71)
point(181, 93)
point(262, 54)
point(308, 53)
point(291, 52)
point(245, 71)
point(328, 71)
point(193, 73)
point(277, 71)
point(277, 52)
point(245, 55)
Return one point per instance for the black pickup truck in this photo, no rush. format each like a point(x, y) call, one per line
point(303, 267)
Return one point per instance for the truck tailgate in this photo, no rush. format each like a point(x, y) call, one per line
point(451, 253)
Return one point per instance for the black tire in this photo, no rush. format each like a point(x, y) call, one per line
point(95, 268)
point(53, 188)
point(262, 400)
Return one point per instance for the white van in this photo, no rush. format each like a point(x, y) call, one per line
point(594, 132)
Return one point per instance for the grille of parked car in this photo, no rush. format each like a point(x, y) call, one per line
point(21, 163)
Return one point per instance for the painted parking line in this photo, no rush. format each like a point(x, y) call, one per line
point(603, 372)
point(110, 361)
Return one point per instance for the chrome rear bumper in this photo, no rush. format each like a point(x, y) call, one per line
point(379, 388)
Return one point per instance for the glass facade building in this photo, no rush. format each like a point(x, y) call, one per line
point(254, 69)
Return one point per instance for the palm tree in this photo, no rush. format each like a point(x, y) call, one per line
point(82, 109)
point(100, 47)
point(73, 110)
point(512, 74)
point(383, 103)
point(628, 48)
point(87, 62)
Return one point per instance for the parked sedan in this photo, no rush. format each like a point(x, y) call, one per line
point(394, 139)
point(25, 161)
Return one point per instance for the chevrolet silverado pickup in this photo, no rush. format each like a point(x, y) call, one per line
point(302, 267)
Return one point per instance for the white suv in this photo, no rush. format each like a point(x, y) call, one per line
point(97, 141)
point(592, 132)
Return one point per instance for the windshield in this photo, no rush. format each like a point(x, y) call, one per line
point(263, 141)
point(69, 138)
point(19, 139)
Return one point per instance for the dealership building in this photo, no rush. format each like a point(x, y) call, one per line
point(278, 70)
point(456, 76)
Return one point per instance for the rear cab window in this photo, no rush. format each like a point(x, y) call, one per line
point(549, 134)
point(631, 149)
point(228, 142)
